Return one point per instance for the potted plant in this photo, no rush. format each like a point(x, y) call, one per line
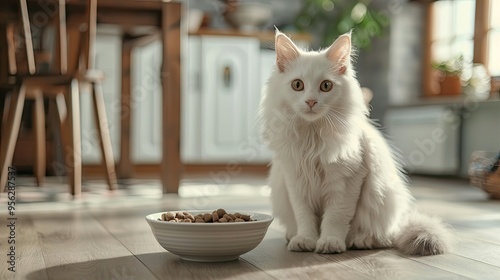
point(477, 81)
point(448, 76)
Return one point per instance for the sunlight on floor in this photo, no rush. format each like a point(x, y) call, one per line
point(200, 190)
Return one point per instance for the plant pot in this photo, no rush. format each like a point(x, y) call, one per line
point(450, 85)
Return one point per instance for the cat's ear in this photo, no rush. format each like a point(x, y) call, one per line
point(286, 51)
point(339, 53)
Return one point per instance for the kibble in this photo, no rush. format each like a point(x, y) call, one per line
point(179, 216)
point(170, 216)
point(217, 216)
point(189, 216)
point(221, 212)
point(227, 217)
point(207, 218)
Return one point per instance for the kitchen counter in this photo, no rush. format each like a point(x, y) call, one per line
point(265, 36)
point(452, 100)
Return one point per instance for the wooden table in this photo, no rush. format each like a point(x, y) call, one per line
point(166, 17)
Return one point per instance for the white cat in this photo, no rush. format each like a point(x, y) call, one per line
point(335, 183)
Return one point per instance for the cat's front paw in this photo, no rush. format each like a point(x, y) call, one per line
point(301, 243)
point(330, 244)
point(290, 235)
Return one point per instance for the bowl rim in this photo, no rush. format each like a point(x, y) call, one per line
point(268, 218)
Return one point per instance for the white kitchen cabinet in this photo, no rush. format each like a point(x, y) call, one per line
point(223, 82)
point(267, 64)
point(191, 102)
point(228, 66)
point(146, 102)
point(107, 58)
point(146, 95)
point(428, 138)
point(222, 78)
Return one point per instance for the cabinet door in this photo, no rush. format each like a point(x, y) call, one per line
point(267, 63)
point(146, 101)
point(191, 102)
point(229, 81)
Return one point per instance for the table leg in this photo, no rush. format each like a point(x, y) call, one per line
point(125, 168)
point(171, 84)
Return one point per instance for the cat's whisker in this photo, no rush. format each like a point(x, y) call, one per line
point(340, 121)
point(332, 123)
point(338, 107)
point(345, 117)
point(343, 114)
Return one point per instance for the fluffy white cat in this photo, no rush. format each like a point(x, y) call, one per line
point(335, 183)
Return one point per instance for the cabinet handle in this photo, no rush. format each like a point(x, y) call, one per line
point(227, 76)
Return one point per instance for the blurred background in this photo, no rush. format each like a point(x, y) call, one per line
point(433, 68)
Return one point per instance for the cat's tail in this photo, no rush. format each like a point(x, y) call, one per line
point(424, 235)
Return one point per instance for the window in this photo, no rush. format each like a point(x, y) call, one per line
point(493, 36)
point(466, 28)
point(453, 30)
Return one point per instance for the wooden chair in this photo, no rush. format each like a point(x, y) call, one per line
point(11, 64)
point(71, 69)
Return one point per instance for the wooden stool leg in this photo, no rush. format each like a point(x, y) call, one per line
point(9, 135)
point(62, 115)
point(104, 137)
point(72, 147)
point(5, 115)
point(39, 127)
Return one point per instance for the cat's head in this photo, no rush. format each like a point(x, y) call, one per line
point(316, 84)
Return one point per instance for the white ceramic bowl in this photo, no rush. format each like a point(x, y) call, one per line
point(210, 242)
point(250, 16)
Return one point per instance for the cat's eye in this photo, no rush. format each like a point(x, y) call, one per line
point(326, 86)
point(297, 85)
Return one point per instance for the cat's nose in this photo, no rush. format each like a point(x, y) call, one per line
point(311, 102)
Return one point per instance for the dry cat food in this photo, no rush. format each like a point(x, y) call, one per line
point(217, 216)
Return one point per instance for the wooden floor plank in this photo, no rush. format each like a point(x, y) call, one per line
point(385, 264)
point(273, 257)
point(131, 229)
point(461, 265)
point(486, 230)
point(29, 259)
point(478, 250)
point(76, 246)
point(104, 235)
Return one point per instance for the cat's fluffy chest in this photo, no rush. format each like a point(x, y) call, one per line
point(318, 145)
point(319, 157)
